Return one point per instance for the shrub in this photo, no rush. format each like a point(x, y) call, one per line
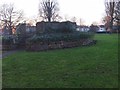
point(9, 42)
point(46, 38)
point(10, 39)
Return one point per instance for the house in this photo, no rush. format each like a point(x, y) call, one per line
point(21, 29)
point(25, 29)
point(94, 28)
point(83, 28)
point(30, 30)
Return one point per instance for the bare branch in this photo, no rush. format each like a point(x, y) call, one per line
point(117, 13)
point(9, 16)
point(48, 9)
point(110, 12)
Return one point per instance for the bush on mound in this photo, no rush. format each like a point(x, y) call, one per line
point(58, 40)
point(9, 42)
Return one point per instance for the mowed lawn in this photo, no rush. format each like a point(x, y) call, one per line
point(81, 67)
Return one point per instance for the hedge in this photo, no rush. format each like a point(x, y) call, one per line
point(60, 37)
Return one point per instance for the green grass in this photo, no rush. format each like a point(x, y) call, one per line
point(81, 67)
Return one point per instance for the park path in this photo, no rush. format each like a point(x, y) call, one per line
point(4, 54)
point(7, 53)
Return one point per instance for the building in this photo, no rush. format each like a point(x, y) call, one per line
point(25, 29)
point(83, 28)
point(52, 27)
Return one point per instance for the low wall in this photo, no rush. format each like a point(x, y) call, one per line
point(59, 45)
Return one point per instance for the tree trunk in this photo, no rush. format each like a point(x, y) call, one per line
point(111, 25)
point(10, 25)
point(10, 32)
point(49, 19)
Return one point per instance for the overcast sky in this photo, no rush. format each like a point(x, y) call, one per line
point(89, 10)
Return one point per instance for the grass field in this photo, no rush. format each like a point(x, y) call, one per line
point(81, 67)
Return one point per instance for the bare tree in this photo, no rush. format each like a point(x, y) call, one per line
point(48, 9)
point(117, 13)
point(112, 8)
point(9, 16)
